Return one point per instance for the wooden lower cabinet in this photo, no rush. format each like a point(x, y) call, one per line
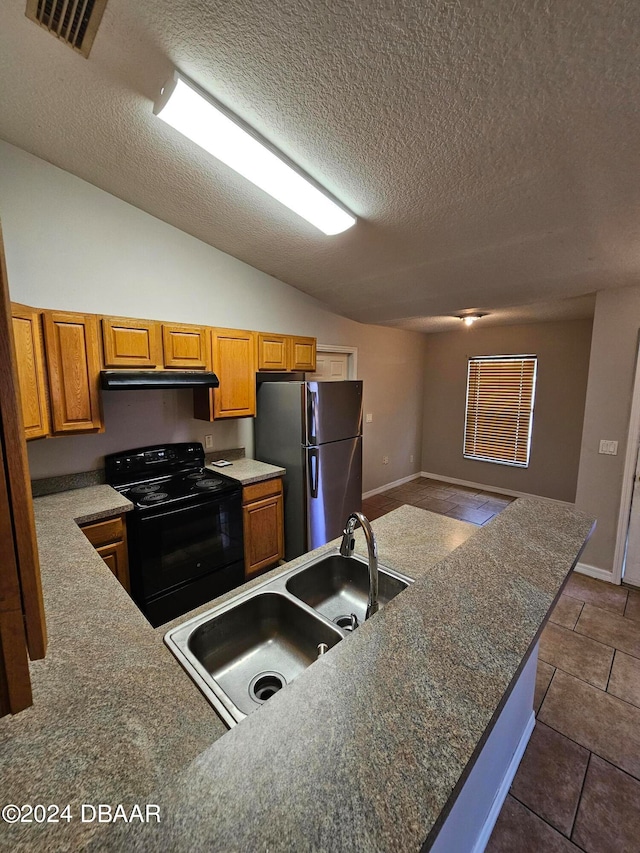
point(109, 538)
point(263, 525)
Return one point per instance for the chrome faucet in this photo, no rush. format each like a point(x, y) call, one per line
point(347, 547)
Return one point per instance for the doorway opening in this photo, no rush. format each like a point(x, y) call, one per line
point(626, 560)
point(334, 364)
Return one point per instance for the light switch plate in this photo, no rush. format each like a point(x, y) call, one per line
point(208, 442)
point(369, 418)
point(609, 448)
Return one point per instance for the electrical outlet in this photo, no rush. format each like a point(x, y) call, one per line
point(411, 459)
point(385, 460)
point(609, 448)
point(208, 442)
point(368, 418)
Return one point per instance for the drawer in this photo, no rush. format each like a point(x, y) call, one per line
point(104, 532)
point(264, 489)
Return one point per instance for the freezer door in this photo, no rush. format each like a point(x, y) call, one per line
point(333, 411)
point(334, 488)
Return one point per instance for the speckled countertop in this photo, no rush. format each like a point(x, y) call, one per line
point(361, 752)
point(249, 471)
point(367, 748)
point(109, 723)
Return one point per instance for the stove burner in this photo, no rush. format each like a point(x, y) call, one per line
point(197, 475)
point(145, 488)
point(154, 497)
point(211, 483)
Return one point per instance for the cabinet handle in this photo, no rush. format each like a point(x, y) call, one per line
point(314, 416)
point(313, 472)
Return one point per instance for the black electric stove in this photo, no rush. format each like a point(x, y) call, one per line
point(185, 531)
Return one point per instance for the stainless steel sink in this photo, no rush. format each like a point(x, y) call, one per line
point(338, 586)
point(244, 651)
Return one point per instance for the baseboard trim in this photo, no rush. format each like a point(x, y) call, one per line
point(594, 572)
point(395, 483)
point(503, 790)
point(483, 487)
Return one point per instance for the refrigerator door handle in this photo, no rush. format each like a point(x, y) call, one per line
point(314, 417)
point(313, 473)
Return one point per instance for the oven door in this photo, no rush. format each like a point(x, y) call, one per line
point(175, 547)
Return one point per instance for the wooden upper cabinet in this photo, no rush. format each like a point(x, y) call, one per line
point(302, 354)
point(273, 352)
point(131, 343)
point(185, 347)
point(234, 363)
point(73, 366)
point(27, 336)
point(285, 353)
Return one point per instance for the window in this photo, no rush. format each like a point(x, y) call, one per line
point(499, 412)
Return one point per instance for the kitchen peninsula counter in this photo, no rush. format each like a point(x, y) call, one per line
point(361, 752)
point(368, 748)
point(110, 720)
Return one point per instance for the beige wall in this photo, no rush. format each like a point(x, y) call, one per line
point(608, 407)
point(563, 362)
point(72, 246)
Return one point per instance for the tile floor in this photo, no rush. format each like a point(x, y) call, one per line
point(578, 785)
point(461, 502)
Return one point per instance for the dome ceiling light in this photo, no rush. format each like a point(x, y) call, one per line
point(470, 319)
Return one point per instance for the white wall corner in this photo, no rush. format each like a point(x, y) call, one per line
point(395, 483)
point(595, 572)
point(498, 490)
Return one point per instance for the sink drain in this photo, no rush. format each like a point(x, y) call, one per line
point(265, 684)
point(347, 622)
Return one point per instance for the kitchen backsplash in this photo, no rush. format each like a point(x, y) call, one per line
point(66, 482)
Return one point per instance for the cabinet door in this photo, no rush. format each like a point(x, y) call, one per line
point(263, 534)
point(234, 363)
point(185, 347)
point(109, 538)
point(115, 556)
point(22, 626)
point(302, 354)
point(73, 364)
point(131, 343)
point(273, 352)
point(31, 371)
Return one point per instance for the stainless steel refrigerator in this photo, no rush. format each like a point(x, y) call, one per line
point(314, 430)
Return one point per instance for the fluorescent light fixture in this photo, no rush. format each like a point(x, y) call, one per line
point(197, 115)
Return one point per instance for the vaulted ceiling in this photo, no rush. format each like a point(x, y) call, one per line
point(490, 148)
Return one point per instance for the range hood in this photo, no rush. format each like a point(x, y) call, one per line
point(141, 380)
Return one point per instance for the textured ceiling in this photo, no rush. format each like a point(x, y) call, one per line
point(489, 147)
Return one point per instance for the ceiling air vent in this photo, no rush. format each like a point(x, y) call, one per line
point(74, 22)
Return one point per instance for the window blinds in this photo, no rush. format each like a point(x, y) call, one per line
point(499, 411)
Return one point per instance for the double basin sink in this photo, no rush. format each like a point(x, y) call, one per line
point(242, 652)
